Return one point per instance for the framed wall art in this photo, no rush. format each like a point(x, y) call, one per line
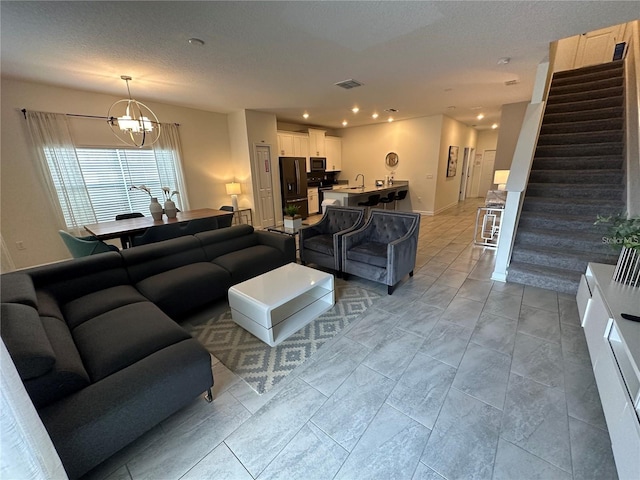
point(452, 164)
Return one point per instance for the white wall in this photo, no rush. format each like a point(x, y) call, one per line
point(24, 210)
point(511, 118)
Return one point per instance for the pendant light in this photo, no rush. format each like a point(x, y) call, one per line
point(136, 125)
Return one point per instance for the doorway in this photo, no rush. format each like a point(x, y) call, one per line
point(465, 183)
point(486, 177)
point(263, 168)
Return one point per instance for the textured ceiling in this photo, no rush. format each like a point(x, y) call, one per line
point(421, 58)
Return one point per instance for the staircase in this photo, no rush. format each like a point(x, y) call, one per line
point(577, 173)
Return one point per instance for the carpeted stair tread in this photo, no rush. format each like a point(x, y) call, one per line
point(603, 70)
point(559, 221)
point(577, 206)
point(606, 162)
point(598, 125)
point(593, 104)
point(598, 176)
point(579, 150)
point(589, 85)
point(571, 190)
point(603, 113)
point(574, 260)
point(558, 279)
point(607, 136)
point(576, 97)
point(557, 239)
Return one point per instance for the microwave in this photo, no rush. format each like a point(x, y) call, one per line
point(318, 164)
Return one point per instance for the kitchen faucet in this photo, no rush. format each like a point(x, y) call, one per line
point(360, 175)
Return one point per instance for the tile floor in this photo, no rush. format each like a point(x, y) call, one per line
point(453, 376)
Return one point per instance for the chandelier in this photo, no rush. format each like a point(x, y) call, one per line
point(137, 125)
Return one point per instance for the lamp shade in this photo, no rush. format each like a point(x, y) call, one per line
point(500, 176)
point(233, 188)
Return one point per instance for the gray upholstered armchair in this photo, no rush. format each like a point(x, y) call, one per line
point(322, 243)
point(384, 250)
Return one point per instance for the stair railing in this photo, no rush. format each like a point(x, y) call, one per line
point(519, 173)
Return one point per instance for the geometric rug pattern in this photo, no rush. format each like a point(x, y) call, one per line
point(262, 366)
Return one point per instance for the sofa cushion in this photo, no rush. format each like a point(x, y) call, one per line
point(372, 253)
point(320, 243)
point(149, 260)
point(68, 374)
point(26, 340)
point(226, 240)
point(249, 262)
point(18, 288)
point(48, 305)
point(121, 337)
point(185, 288)
point(84, 308)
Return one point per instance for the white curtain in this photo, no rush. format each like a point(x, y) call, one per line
point(58, 167)
point(26, 451)
point(168, 150)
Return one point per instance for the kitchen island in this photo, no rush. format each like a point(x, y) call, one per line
point(350, 196)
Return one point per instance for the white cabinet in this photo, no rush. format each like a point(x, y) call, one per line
point(314, 200)
point(292, 144)
point(316, 143)
point(333, 147)
point(614, 348)
point(285, 144)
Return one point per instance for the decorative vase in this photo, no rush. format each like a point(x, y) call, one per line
point(628, 267)
point(156, 209)
point(295, 222)
point(170, 209)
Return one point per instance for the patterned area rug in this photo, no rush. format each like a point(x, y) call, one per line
point(262, 366)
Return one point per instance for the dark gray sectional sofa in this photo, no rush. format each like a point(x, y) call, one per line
point(95, 342)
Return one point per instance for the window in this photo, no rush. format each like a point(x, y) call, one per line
point(106, 175)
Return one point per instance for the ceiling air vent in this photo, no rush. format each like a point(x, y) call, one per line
point(349, 84)
point(391, 110)
point(508, 83)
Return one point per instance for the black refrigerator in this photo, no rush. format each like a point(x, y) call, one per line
point(293, 183)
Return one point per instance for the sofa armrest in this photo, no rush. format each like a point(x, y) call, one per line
point(285, 243)
point(401, 255)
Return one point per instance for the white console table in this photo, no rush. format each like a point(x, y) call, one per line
point(614, 347)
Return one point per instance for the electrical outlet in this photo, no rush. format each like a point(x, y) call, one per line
point(20, 245)
point(429, 176)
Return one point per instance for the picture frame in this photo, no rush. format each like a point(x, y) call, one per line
point(452, 162)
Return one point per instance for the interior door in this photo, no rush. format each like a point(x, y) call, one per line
point(266, 211)
point(464, 178)
point(486, 177)
point(596, 47)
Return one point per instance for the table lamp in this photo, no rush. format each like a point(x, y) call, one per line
point(233, 189)
point(500, 178)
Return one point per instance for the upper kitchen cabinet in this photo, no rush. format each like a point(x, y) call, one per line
point(291, 144)
point(317, 146)
point(333, 146)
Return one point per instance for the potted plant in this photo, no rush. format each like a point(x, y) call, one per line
point(624, 234)
point(291, 218)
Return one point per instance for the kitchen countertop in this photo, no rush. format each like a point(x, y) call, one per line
point(367, 189)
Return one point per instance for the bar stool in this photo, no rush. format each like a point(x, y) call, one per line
point(402, 194)
point(372, 202)
point(391, 197)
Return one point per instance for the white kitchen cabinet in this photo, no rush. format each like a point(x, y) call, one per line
point(333, 147)
point(285, 144)
point(614, 348)
point(301, 147)
point(317, 143)
point(314, 200)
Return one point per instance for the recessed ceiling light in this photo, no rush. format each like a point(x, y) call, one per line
point(494, 126)
point(355, 109)
point(476, 108)
point(480, 116)
point(345, 123)
point(305, 115)
point(196, 41)
point(374, 116)
point(390, 119)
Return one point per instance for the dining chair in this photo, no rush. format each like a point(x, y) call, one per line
point(85, 246)
point(126, 240)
